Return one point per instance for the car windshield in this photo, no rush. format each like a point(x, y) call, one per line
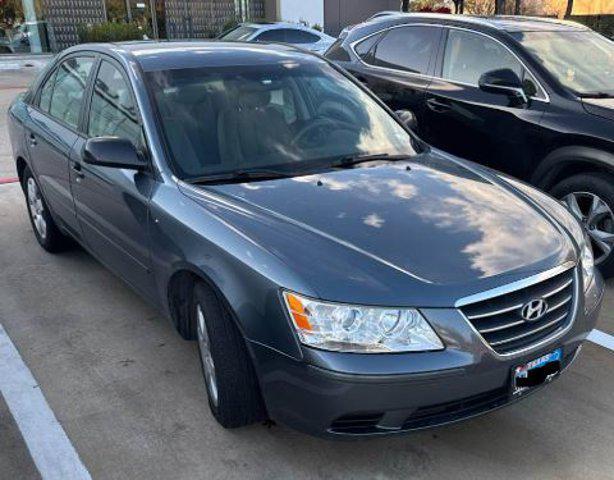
point(582, 61)
point(238, 33)
point(291, 116)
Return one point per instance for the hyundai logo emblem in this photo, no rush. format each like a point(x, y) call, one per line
point(534, 310)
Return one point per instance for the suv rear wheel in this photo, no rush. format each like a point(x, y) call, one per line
point(232, 386)
point(590, 197)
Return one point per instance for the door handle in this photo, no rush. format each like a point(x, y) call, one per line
point(438, 106)
point(78, 171)
point(32, 138)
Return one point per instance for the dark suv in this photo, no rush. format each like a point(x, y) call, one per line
point(531, 97)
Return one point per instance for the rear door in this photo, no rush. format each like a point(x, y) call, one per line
point(113, 204)
point(396, 65)
point(489, 128)
point(53, 130)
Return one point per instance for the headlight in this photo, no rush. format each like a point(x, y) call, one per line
point(587, 262)
point(353, 328)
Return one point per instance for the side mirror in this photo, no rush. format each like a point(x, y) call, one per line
point(503, 81)
point(113, 152)
point(407, 118)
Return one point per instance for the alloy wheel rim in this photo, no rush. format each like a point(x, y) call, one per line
point(205, 355)
point(37, 208)
point(596, 218)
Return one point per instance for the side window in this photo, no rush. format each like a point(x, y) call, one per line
point(407, 48)
point(469, 55)
point(44, 102)
point(112, 111)
point(278, 35)
point(68, 88)
point(364, 49)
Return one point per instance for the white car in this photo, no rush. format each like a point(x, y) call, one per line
point(385, 13)
point(292, 33)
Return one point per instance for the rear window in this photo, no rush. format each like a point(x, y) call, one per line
point(239, 33)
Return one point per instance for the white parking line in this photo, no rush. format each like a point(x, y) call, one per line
point(51, 450)
point(601, 338)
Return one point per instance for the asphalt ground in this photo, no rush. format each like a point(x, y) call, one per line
point(127, 395)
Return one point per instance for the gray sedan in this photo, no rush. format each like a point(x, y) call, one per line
point(339, 275)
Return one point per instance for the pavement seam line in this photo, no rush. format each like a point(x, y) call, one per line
point(49, 446)
point(602, 339)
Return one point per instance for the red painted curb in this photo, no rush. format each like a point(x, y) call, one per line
point(8, 180)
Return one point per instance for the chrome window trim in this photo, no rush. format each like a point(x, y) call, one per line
point(393, 70)
point(519, 285)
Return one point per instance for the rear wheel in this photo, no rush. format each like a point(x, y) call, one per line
point(45, 229)
point(590, 197)
point(232, 386)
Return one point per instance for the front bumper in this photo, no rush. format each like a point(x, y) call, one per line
point(341, 394)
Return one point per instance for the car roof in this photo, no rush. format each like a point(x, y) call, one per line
point(508, 23)
point(157, 55)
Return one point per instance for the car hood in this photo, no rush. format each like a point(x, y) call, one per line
point(602, 107)
point(427, 221)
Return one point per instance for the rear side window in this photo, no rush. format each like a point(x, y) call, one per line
point(364, 49)
point(469, 55)
point(113, 112)
point(407, 48)
point(46, 91)
point(69, 84)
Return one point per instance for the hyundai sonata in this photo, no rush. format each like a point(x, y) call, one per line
point(339, 275)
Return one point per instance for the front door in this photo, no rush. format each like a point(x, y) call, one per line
point(113, 204)
point(462, 119)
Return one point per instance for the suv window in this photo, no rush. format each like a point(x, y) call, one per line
point(407, 48)
point(364, 49)
point(469, 55)
point(63, 92)
point(287, 35)
point(113, 112)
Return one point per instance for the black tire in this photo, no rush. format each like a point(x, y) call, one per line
point(239, 402)
point(51, 239)
point(599, 184)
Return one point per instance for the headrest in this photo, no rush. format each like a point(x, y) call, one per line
point(254, 98)
point(190, 95)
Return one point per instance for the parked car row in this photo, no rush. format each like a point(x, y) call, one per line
point(340, 275)
point(533, 98)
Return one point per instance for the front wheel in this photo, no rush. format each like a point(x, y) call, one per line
point(590, 198)
point(232, 386)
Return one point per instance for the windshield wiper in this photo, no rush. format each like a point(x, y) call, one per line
point(355, 159)
point(238, 176)
point(595, 95)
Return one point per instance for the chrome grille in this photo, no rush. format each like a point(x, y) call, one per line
point(500, 322)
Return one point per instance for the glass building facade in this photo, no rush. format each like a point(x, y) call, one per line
point(40, 26)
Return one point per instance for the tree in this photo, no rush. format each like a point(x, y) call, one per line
point(517, 7)
point(405, 6)
point(499, 7)
point(569, 8)
point(479, 7)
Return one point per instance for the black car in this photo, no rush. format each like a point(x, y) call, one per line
point(531, 97)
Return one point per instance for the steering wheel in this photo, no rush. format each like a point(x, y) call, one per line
point(317, 132)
